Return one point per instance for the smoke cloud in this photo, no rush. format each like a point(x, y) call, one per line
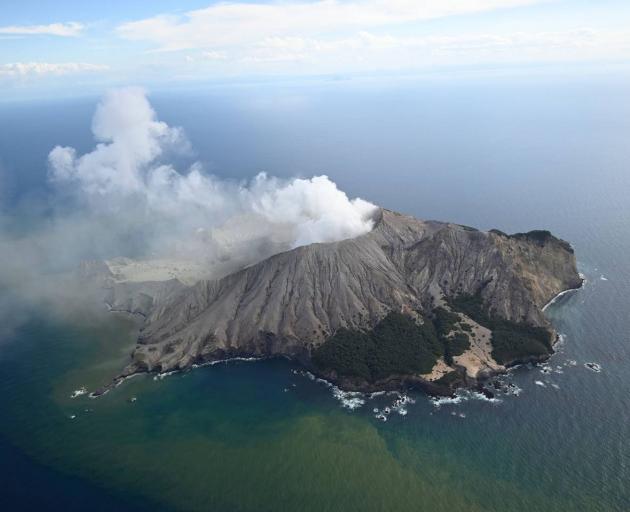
point(127, 198)
point(128, 178)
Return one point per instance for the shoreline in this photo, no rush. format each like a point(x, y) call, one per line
point(393, 383)
point(564, 293)
point(399, 383)
point(120, 379)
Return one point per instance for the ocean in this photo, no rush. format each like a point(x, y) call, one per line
point(263, 435)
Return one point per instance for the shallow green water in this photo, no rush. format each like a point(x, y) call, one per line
point(229, 437)
point(262, 436)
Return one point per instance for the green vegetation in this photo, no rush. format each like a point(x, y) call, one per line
point(448, 379)
point(444, 320)
point(447, 325)
point(511, 341)
point(538, 235)
point(471, 306)
point(457, 345)
point(397, 345)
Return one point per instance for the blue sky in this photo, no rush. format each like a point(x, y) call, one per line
point(49, 46)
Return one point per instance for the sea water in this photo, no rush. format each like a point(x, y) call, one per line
point(262, 435)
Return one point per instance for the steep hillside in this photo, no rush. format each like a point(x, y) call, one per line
point(296, 302)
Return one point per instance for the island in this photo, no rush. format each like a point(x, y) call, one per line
point(412, 303)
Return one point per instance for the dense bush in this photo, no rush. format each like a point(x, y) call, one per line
point(458, 344)
point(518, 344)
point(347, 353)
point(472, 306)
point(537, 235)
point(541, 237)
point(511, 341)
point(397, 345)
point(446, 322)
point(467, 228)
point(448, 379)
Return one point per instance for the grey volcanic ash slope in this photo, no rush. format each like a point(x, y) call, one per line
point(466, 291)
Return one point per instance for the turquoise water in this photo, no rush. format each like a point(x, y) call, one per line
point(254, 436)
point(262, 436)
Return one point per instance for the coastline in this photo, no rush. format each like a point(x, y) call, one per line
point(398, 383)
point(394, 383)
point(565, 293)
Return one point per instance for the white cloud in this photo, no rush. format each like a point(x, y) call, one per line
point(70, 29)
point(473, 42)
point(231, 23)
point(129, 180)
point(331, 36)
point(367, 50)
point(26, 69)
point(214, 55)
point(365, 42)
point(208, 56)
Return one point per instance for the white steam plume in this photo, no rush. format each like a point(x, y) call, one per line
point(127, 180)
point(126, 198)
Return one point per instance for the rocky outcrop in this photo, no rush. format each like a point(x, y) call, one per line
point(292, 303)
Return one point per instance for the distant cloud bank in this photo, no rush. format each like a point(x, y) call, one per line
point(230, 23)
point(25, 69)
point(237, 40)
point(70, 29)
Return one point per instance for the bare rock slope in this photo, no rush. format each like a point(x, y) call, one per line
point(295, 302)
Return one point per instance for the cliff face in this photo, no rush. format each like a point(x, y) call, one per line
point(292, 303)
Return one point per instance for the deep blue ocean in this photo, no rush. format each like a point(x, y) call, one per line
point(259, 436)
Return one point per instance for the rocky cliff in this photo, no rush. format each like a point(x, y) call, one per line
point(476, 296)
